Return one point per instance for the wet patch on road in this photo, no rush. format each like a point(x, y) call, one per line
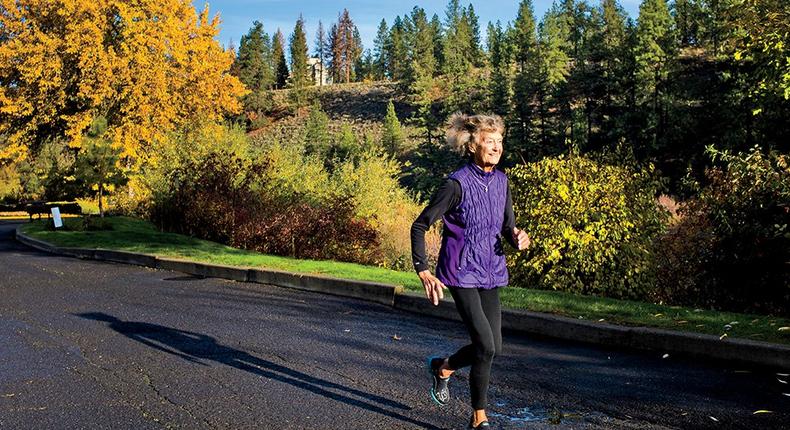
point(504, 414)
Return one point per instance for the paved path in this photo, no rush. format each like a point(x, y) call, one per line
point(95, 345)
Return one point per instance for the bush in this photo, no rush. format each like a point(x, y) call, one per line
point(591, 226)
point(215, 199)
point(379, 199)
point(298, 228)
point(734, 238)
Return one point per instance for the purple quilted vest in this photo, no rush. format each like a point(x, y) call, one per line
point(472, 255)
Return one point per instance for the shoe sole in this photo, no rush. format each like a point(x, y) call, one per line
point(430, 374)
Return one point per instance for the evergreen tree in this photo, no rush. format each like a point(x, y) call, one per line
point(397, 51)
point(364, 66)
point(380, 51)
point(654, 53)
point(356, 55)
point(392, 137)
point(300, 70)
point(499, 81)
point(689, 19)
point(320, 51)
point(615, 58)
point(422, 50)
point(457, 58)
point(475, 50)
point(278, 58)
point(525, 88)
point(345, 148)
point(254, 59)
point(317, 138)
point(438, 36)
point(553, 69)
point(422, 67)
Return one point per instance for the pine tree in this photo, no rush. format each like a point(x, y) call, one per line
point(525, 88)
point(346, 47)
point(380, 51)
point(320, 51)
point(422, 65)
point(364, 67)
point(614, 51)
point(475, 50)
point(300, 70)
point(553, 68)
point(356, 55)
point(654, 54)
point(422, 49)
point(317, 138)
point(254, 58)
point(499, 81)
point(438, 36)
point(344, 148)
point(457, 58)
point(392, 137)
point(397, 51)
point(278, 59)
point(688, 18)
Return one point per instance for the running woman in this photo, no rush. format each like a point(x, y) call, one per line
point(476, 207)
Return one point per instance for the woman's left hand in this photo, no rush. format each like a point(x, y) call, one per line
point(521, 238)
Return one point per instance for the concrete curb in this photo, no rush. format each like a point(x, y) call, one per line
point(742, 351)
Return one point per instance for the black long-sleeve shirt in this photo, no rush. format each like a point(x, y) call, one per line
point(447, 197)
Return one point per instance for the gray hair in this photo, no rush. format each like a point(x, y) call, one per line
point(463, 131)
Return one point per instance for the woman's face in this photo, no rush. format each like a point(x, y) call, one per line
point(489, 149)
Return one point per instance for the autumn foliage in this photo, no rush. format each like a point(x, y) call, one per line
point(147, 66)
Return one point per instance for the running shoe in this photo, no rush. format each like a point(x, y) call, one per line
point(439, 391)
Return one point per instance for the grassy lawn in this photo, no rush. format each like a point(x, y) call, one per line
point(139, 236)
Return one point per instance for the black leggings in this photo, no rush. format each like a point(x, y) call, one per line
point(480, 311)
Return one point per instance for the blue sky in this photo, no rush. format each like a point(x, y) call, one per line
point(237, 15)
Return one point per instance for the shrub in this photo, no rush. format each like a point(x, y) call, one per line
point(591, 226)
point(296, 227)
point(734, 237)
point(380, 200)
point(203, 197)
point(215, 199)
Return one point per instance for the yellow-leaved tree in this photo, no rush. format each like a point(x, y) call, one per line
point(148, 66)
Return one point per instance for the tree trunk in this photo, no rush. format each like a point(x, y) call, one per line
point(101, 207)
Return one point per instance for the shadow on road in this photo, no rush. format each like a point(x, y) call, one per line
point(195, 347)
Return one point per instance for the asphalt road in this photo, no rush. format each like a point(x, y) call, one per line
point(95, 345)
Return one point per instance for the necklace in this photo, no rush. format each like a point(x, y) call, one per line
point(484, 184)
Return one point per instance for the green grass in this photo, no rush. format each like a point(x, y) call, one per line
point(139, 236)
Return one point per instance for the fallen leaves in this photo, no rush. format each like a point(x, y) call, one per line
point(723, 336)
point(396, 337)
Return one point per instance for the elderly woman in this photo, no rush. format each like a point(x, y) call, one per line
point(476, 207)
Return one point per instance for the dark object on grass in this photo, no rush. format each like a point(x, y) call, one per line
point(40, 207)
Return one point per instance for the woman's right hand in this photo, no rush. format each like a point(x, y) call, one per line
point(433, 286)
